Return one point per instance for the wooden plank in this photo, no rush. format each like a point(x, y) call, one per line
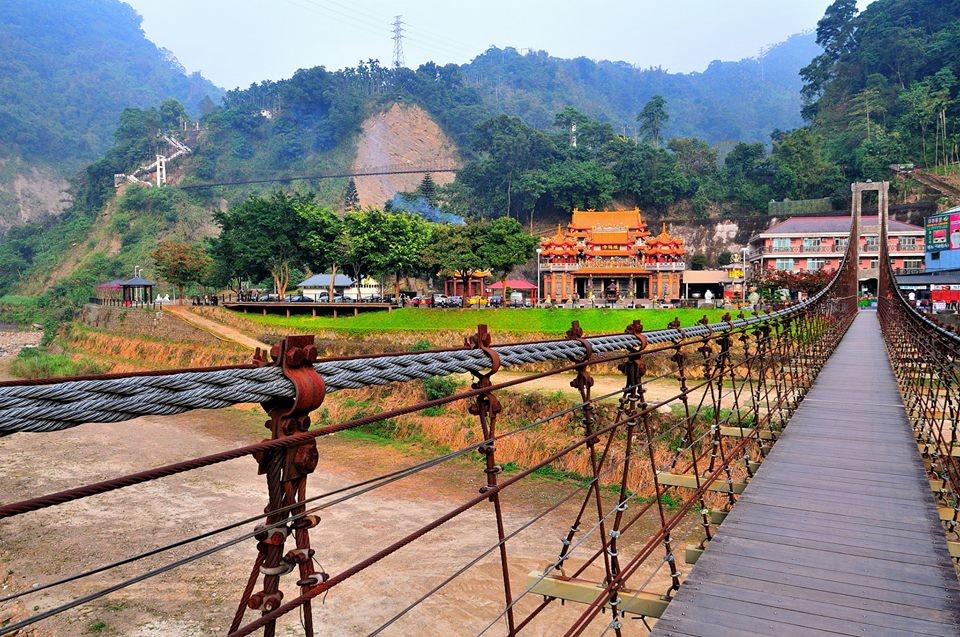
point(690, 482)
point(748, 432)
point(692, 553)
point(585, 592)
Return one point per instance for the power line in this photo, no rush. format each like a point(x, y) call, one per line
point(368, 173)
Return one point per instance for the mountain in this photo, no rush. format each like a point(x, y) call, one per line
point(78, 76)
point(67, 71)
point(741, 101)
point(886, 89)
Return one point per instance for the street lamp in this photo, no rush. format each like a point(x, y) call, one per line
point(539, 250)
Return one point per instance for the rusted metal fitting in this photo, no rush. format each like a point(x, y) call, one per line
point(482, 340)
point(306, 522)
point(295, 355)
point(265, 601)
point(282, 568)
point(305, 458)
point(576, 333)
point(275, 536)
point(313, 579)
point(299, 556)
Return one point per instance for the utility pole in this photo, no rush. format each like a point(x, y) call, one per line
point(397, 42)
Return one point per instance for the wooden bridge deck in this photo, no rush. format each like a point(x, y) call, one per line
point(838, 533)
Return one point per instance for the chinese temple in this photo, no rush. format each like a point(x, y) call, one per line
point(610, 255)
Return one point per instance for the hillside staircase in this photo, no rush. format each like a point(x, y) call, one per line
point(158, 168)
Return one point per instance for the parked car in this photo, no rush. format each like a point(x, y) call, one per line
point(477, 300)
point(297, 298)
point(496, 301)
point(454, 301)
point(439, 300)
point(268, 297)
point(421, 301)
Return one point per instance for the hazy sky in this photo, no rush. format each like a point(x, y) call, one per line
point(237, 42)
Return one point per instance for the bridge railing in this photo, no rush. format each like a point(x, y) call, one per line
point(925, 355)
point(666, 456)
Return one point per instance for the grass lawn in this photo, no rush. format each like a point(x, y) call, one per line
point(504, 320)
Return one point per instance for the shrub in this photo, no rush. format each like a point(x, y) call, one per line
point(37, 362)
point(440, 387)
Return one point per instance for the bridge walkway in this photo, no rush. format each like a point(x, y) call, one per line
point(839, 532)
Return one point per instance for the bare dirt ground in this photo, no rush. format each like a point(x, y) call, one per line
point(13, 342)
point(402, 136)
point(200, 598)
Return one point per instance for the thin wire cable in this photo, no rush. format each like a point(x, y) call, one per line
point(398, 475)
point(580, 488)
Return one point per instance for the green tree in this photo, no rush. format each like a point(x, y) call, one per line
point(321, 236)
point(406, 239)
point(172, 115)
point(694, 156)
point(698, 261)
point(181, 264)
point(428, 189)
point(351, 198)
point(456, 249)
point(262, 237)
point(863, 105)
point(835, 33)
point(362, 243)
point(507, 148)
point(724, 258)
point(504, 245)
point(653, 118)
point(802, 169)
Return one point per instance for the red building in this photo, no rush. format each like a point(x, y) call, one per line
point(610, 254)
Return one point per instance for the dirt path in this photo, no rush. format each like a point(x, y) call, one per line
point(221, 331)
point(199, 598)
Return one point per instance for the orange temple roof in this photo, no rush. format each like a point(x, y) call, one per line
point(620, 219)
point(611, 237)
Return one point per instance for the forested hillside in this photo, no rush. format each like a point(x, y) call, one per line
point(739, 101)
point(885, 90)
point(67, 71)
point(70, 68)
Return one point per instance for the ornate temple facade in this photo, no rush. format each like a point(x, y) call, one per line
point(610, 255)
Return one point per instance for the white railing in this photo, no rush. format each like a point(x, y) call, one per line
point(672, 266)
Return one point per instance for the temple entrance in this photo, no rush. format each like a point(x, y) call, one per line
point(642, 289)
point(580, 287)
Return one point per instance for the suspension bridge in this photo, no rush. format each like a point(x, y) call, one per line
point(801, 479)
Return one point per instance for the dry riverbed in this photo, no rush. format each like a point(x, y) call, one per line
point(200, 598)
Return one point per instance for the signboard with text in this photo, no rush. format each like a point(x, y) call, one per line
point(943, 232)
